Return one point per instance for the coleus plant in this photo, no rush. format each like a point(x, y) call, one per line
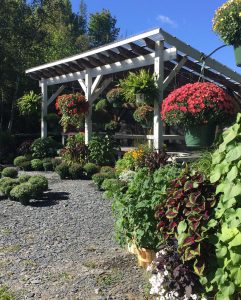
point(184, 215)
point(171, 278)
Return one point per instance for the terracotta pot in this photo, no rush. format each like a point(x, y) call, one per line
point(145, 257)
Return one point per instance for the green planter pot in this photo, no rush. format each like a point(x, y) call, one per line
point(200, 136)
point(237, 52)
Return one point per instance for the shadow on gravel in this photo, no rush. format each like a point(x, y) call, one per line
point(50, 199)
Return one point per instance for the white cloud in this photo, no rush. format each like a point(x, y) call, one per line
point(166, 20)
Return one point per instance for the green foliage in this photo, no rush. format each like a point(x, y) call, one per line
point(112, 186)
point(76, 171)
point(39, 185)
point(63, 170)
point(37, 164)
point(225, 280)
point(125, 163)
point(98, 178)
point(144, 115)
point(48, 166)
point(90, 169)
point(44, 147)
point(5, 294)
point(203, 164)
point(25, 166)
point(18, 160)
point(107, 169)
point(134, 208)
point(102, 28)
point(112, 127)
point(10, 172)
point(115, 97)
point(102, 104)
point(75, 150)
point(24, 178)
point(56, 161)
point(22, 193)
point(29, 104)
point(184, 215)
point(140, 83)
point(6, 185)
point(102, 150)
point(227, 23)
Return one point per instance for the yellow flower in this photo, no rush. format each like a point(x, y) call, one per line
point(239, 14)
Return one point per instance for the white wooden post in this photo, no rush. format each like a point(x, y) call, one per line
point(88, 116)
point(159, 72)
point(44, 107)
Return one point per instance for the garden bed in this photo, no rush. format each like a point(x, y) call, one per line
point(63, 247)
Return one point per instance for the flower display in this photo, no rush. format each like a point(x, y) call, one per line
point(196, 104)
point(144, 115)
point(72, 108)
point(227, 22)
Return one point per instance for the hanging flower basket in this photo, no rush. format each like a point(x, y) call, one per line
point(227, 24)
point(144, 116)
point(72, 108)
point(197, 105)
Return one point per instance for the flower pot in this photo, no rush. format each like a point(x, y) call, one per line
point(237, 53)
point(145, 257)
point(200, 136)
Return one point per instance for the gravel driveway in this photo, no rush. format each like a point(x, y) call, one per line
point(63, 247)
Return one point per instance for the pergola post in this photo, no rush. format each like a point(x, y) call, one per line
point(44, 107)
point(88, 116)
point(159, 73)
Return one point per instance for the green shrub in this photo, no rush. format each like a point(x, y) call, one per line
point(107, 169)
point(98, 178)
point(39, 185)
point(6, 185)
point(5, 294)
point(22, 193)
point(44, 147)
point(112, 186)
point(63, 170)
point(102, 151)
point(10, 172)
point(56, 161)
point(25, 166)
point(48, 166)
point(90, 169)
point(76, 171)
point(24, 178)
point(18, 160)
point(37, 164)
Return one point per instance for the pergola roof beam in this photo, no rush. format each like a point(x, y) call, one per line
point(126, 53)
point(195, 54)
point(138, 49)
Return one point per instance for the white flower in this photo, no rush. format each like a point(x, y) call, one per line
point(194, 297)
point(166, 272)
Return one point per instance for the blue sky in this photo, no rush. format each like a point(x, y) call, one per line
point(189, 20)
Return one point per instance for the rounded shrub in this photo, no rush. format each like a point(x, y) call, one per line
point(37, 164)
point(24, 178)
point(56, 161)
point(107, 169)
point(39, 184)
point(98, 178)
point(48, 166)
point(10, 172)
point(44, 147)
point(18, 160)
point(90, 169)
point(22, 193)
point(6, 185)
point(25, 166)
point(76, 171)
point(63, 170)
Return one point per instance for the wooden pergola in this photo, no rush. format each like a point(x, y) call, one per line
point(93, 70)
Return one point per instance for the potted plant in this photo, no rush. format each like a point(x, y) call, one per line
point(72, 108)
point(227, 24)
point(140, 87)
point(115, 97)
point(198, 107)
point(144, 115)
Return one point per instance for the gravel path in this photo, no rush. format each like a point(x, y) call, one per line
point(63, 247)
